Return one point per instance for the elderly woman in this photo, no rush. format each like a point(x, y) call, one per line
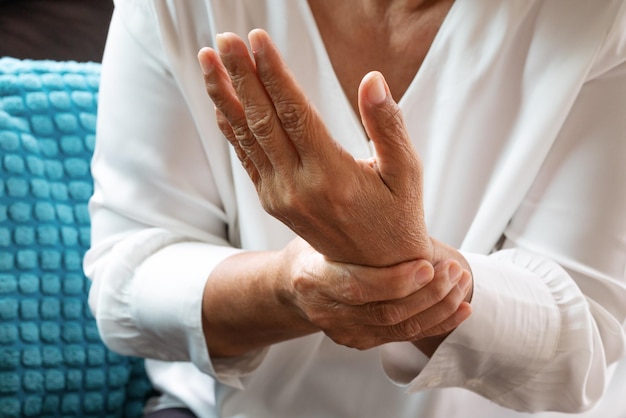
point(380, 209)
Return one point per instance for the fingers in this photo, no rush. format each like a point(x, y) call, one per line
point(366, 285)
point(230, 114)
point(262, 120)
point(442, 317)
point(429, 305)
point(384, 124)
point(298, 118)
point(450, 323)
point(449, 313)
point(362, 307)
point(435, 308)
point(242, 155)
point(271, 119)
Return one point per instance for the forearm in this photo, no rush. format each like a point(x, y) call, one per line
point(242, 309)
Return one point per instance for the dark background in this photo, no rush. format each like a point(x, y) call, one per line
point(62, 30)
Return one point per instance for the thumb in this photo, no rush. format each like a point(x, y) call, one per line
point(383, 122)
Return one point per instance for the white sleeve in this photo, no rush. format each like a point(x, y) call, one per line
point(531, 326)
point(549, 308)
point(159, 223)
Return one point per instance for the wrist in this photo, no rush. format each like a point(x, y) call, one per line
point(288, 268)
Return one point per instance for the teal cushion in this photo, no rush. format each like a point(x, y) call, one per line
point(52, 361)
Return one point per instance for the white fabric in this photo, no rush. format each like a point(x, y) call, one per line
point(519, 114)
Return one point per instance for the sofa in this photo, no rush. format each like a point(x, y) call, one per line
point(61, 30)
point(52, 360)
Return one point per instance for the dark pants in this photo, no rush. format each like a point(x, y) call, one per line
point(171, 413)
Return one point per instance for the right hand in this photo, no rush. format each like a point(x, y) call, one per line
point(363, 307)
point(367, 212)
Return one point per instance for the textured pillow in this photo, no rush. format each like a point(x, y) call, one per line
point(52, 361)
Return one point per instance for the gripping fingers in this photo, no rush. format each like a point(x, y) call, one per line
point(442, 312)
point(450, 323)
point(404, 299)
point(363, 285)
point(442, 318)
point(449, 313)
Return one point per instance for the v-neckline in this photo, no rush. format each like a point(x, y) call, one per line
point(323, 54)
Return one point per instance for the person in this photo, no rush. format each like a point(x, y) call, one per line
point(378, 209)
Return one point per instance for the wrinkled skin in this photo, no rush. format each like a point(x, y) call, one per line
point(357, 280)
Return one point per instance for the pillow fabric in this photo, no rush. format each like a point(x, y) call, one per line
point(52, 361)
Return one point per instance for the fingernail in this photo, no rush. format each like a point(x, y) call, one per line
point(454, 272)
point(222, 44)
point(465, 282)
point(255, 41)
point(424, 274)
point(377, 92)
point(205, 64)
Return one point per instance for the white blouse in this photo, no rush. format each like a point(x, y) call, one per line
point(519, 115)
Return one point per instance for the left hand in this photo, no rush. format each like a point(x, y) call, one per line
point(363, 307)
point(366, 212)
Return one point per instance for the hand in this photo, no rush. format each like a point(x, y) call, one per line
point(361, 212)
point(363, 307)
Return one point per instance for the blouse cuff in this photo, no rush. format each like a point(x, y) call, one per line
point(511, 333)
point(151, 302)
point(167, 301)
point(147, 297)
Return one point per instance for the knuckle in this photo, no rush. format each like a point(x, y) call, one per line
point(350, 289)
point(228, 133)
point(243, 136)
point(450, 303)
point(241, 156)
point(342, 199)
point(352, 340)
point(447, 325)
point(391, 118)
point(302, 283)
point(268, 204)
point(293, 116)
point(214, 88)
point(436, 330)
point(268, 74)
point(365, 345)
point(246, 163)
point(315, 194)
point(275, 205)
point(400, 286)
point(439, 291)
point(344, 339)
point(386, 313)
point(286, 200)
point(260, 122)
point(321, 319)
point(323, 316)
point(406, 330)
point(236, 73)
